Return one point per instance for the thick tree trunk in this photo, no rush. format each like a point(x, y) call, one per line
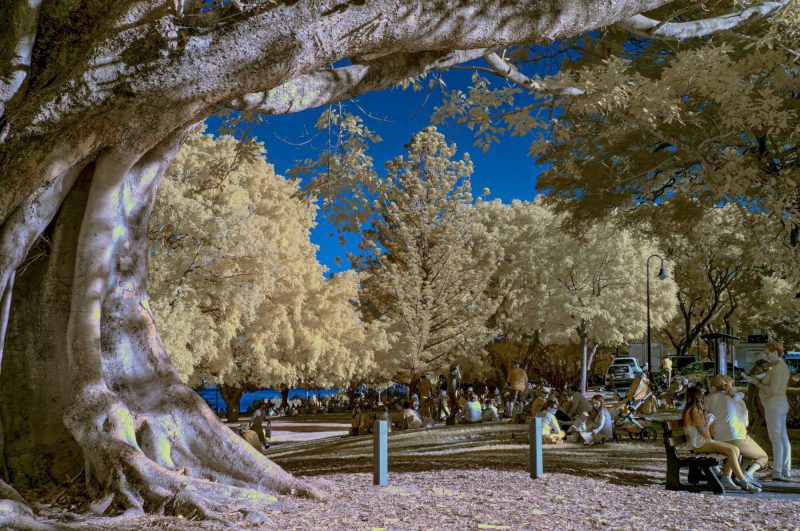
point(145, 441)
point(232, 396)
point(35, 388)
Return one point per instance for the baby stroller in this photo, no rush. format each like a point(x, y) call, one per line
point(629, 418)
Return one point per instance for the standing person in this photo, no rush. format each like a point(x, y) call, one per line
point(453, 382)
point(696, 424)
point(772, 391)
point(518, 382)
point(752, 398)
point(425, 396)
point(601, 425)
point(442, 386)
point(730, 423)
point(257, 423)
point(666, 366)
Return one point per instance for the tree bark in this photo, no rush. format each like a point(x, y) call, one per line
point(35, 388)
point(231, 395)
point(145, 441)
point(584, 354)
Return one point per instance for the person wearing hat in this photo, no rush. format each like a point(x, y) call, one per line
point(517, 381)
point(730, 423)
point(772, 392)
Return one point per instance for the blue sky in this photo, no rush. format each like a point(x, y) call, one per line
point(395, 114)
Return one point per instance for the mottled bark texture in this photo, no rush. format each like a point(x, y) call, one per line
point(102, 92)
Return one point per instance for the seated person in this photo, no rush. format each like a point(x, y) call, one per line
point(579, 426)
point(471, 412)
point(697, 421)
point(411, 419)
point(601, 427)
point(490, 413)
point(578, 404)
point(383, 414)
point(730, 423)
point(551, 431)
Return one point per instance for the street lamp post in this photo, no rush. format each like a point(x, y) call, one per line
point(662, 274)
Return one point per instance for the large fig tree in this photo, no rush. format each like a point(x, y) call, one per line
point(96, 97)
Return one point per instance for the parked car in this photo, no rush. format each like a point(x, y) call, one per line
point(699, 371)
point(633, 362)
point(621, 374)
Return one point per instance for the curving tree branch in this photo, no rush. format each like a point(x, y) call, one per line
point(329, 86)
point(680, 31)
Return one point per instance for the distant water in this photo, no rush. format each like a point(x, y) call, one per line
point(214, 398)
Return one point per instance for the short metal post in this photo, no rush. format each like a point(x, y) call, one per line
point(380, 451)
point(535, 439)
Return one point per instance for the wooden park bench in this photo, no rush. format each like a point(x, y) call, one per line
point(701, 478)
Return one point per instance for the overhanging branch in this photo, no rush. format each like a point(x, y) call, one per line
point(329, 86)
point(679, 31)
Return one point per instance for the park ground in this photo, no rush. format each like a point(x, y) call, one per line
point(476, 477)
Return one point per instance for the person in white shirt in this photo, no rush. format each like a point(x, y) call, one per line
point(772, 391)
point(730, 423)
point(411, 419)
point(472, 412)
point(696, 424)
point(601, 425)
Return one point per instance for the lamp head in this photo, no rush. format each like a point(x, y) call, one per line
point(662, 274)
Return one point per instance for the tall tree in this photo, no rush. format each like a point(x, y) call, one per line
point(426, 276)
point(95, 100)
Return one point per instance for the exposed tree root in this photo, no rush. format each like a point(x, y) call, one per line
point(15, 512)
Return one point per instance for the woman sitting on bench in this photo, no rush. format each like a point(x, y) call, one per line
point(696, 428)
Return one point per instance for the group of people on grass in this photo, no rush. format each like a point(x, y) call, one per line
point(717, 423)
point(445, 400)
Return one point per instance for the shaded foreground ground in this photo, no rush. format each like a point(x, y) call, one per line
point(471, 477)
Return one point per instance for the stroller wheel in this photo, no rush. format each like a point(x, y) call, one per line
point(649, 434)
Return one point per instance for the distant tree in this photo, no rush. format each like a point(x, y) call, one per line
point(426, 275)
point(588, 290)
point(236, 288)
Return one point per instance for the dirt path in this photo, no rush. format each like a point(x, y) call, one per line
point(476, 477)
